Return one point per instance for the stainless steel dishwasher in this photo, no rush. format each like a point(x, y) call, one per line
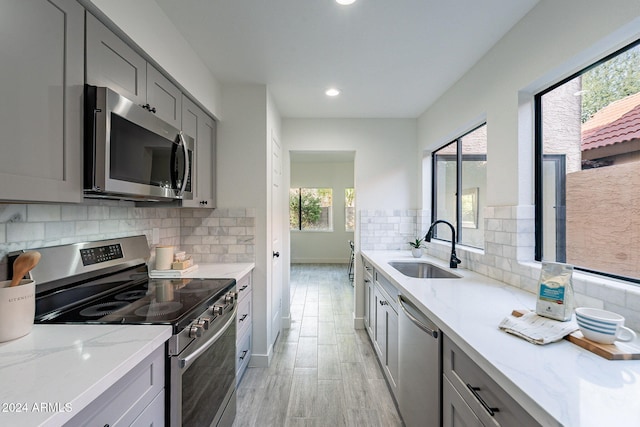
point(419, 362)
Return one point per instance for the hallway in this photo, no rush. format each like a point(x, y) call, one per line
point(324, 373)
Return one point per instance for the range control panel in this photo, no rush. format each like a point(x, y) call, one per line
point(101, 254)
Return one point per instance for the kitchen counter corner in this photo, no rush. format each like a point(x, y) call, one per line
point(51, 374)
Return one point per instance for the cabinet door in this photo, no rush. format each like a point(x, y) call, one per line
point(380, 331)
point(41, 110)
point(392, 347)
point(164, 96)
point(112, 63)
point(197, 124)
point(455, 412)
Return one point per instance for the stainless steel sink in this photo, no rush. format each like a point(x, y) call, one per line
point(423, 270)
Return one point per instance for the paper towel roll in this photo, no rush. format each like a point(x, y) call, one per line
point(164, 257)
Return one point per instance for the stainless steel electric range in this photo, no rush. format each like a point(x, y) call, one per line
point(107, 282)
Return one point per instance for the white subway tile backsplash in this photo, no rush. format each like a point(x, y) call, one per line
point(196, 231)
point(25, 231)
point(42, 213)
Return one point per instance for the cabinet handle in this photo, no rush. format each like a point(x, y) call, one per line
point(475, 391)
point(244, 287)
point(383, 302)
point(243, 317)
point(367, 281)
point(153, 110)
point(416, 321)
point(244, 353)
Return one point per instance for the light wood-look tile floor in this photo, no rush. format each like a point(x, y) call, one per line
point(324, 372)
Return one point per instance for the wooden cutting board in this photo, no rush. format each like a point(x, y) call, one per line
point(617, 351)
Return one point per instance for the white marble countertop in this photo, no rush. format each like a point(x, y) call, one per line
point(558, 384)
point(222, 271)
point(51, 374)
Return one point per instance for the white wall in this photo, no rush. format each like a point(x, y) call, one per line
point(244, 179)
point(323, 246)
point(385, 167)
point(142, 20)
point(555, 39)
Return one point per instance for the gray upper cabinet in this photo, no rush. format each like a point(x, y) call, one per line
point(41, 86)
point(197, 124)
point(163, 97)
point(114, 64)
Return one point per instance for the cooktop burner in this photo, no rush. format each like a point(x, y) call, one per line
point(158, 309)
point(148, 301)
point(102, 309)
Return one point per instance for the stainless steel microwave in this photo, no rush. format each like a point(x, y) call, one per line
point(131, 154)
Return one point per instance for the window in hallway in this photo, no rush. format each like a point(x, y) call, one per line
point(310, 209)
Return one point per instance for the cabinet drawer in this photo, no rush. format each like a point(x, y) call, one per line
point(388, 290)
point(455, 411)
point(244, 286)
point(243, 318)
point(243, 355)
point(127, 399)
point(482, 394)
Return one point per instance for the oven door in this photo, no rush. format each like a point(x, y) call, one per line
point(203, 378)
point(129, 151)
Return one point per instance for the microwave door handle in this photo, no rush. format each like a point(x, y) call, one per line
point(186, 163)
point(172, 166)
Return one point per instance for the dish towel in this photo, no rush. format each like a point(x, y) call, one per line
point(537, 329)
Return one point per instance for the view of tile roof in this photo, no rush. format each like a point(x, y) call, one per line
point(616, 123)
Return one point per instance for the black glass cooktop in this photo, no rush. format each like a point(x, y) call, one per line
point(131, 297)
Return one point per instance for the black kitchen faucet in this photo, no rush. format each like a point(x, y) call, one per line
point(454, 260)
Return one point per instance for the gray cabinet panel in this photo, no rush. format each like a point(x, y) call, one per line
point(491, 404)
point(455, 411)
point(41, 89)
point(112, 63)
point(369, 304)
point(386, 336)
point(165, 97)
point(197, 124)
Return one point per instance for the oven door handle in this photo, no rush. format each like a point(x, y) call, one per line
point(187, 361)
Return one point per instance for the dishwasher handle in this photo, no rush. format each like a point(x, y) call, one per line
point(415, 320)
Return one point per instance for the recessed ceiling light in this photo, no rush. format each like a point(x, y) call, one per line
point(332, 92)
point(345, 2)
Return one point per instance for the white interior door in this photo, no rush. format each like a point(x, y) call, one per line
point(276, 236)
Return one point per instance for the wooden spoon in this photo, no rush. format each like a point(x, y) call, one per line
point(23, 264)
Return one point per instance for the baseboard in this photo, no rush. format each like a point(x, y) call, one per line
point(261, 360)
point(358, 322)
point(286, 322)
point(320, 261)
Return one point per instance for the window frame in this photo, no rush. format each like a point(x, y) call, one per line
point(460, 158)
point(539, 164)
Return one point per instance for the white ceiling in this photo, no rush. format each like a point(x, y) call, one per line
point(390, 58)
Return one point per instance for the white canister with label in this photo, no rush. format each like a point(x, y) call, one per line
point(17, 309)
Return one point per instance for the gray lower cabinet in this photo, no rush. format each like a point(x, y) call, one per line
point(197, 124)
point(111, 62)
point(386, 332)
point(41, 83)
point(455, 411)
point(136, 399)
point(470, 394)
point(369, 302)
point(243, 325)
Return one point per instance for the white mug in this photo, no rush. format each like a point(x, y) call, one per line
point(603, 326)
